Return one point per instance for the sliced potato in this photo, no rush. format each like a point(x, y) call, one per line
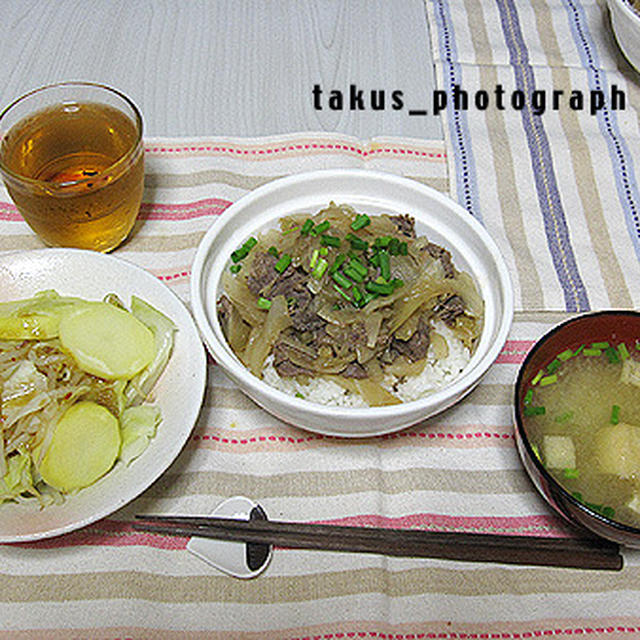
point(84, 446)
point(618, 449)
point(107, 342)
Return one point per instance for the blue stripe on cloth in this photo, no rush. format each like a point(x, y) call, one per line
point(466, 181)
point(621, 159)
point(555, 224)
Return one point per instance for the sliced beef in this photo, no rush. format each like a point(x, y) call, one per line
point(440, 253)
point(354, 370)
point(262, 272)
point(416, 347)
point(450, 309)
point(284, 367)
point(292, 284)
point(224, 312)
point(406, 224)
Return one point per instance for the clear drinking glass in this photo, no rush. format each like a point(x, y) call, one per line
point(72, 159)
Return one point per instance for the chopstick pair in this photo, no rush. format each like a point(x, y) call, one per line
point(582, 553)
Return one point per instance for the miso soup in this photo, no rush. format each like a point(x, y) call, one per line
point(582, 417)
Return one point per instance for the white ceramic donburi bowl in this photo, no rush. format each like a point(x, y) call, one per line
point(626, 27)
point(438, 217)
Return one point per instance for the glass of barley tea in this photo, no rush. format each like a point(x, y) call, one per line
point(72, 159)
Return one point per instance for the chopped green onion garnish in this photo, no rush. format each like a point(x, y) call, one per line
point(394, 246)
point(324, 251)
point(290, 230)
point(592, 352)
point(341, 280)
point(534, 411)
point(234, 268)
point(239, 254)
point(571, 473)
point(355, 263)
point(565, 355)
point(563, 417)
point(375, 259)
point(250, 243)
point(612, 355)
point(578, 350)
point(403, 248)
point(385, 265)
point(362, 220)
point(547, 380)
point(263, 303)
point(321, 228)
point(341, 292)
point(283, 263)
point(528, 397)
point(552, 367)
point(330, 241)
point(536, 452)
point(537, 378)
point(382, 289)
point(352, 273)
point(599, 345)
point(299, 395)
point(306, 227)
point(357, 243)
point(320, 268)
point(314, 258)
point(623, 351)
point(615, 414)
point(337, 263)
point(273, 251)
point(383, 241)
point(368, 297)
point(396, 282)
point(358, 296)
point(608, 512)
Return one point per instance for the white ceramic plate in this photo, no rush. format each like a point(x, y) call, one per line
point(438, 217)
point(178, 393)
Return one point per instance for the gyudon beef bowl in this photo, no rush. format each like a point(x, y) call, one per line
point(351, 302)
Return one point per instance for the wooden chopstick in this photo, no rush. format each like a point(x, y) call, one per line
point(582, 553)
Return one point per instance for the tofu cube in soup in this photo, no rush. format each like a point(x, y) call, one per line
point(618, 449)
point(558, 452)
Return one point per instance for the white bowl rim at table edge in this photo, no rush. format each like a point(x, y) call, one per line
point(373, 192)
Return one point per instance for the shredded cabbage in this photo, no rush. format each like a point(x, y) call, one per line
point(40, 380)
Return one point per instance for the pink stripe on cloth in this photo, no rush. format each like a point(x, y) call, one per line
point(9, 212)
point(303, 148)
point(188, 211)
point(360, 629)
point(108, 533)
point(117, 533)
point(514, 351)
point(149, 210)
point(286, 438)
point(539, 525)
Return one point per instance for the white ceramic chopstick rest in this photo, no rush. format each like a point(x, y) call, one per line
point(237, 559)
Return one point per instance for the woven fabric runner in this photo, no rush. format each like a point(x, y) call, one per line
point(458, 472)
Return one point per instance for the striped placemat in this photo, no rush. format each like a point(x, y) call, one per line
point(459, 472)
point(558, 191)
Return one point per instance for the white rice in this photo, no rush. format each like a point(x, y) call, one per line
point(435, 375)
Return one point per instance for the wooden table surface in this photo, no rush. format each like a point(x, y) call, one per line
point(232, 67)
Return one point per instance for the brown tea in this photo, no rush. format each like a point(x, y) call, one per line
point(75, 172)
